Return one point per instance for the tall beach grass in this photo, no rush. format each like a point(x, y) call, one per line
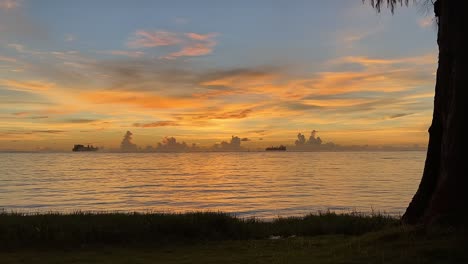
point(82, 228)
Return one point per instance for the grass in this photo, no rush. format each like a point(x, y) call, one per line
point(220, 238)
point(80, 228)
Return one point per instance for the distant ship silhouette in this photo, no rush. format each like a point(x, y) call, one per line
point(280, 148)
point(84, 148)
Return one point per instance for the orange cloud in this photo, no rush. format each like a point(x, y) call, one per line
point(427, 59)
point(329, 83)
point(233, 112)
point(338, 102)
point(243, 83)
point(193, 50)
point(232, 115)
point(294, 97)
point(156, 124)
point(23, 135)
point(324, 83)
point(383, 75)
point(138, 99)
point(27, 86)
point(29, 115)
point(214, 94)
point(191, 44)
point(198, 45)
point(201, 37)
point(420, 95)
point(243, 79)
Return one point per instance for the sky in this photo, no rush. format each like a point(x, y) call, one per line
point(80, 72)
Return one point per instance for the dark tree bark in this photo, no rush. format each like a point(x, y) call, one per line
point(443, 191)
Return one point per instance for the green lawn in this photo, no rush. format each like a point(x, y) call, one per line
point(304, 240)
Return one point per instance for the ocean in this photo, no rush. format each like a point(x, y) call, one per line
point(247, 184)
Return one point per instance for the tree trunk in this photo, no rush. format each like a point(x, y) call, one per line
point(443, 191)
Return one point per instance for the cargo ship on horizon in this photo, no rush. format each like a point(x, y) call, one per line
point(84, 148)
point(280, 148)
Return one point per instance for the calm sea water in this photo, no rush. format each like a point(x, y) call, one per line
point(263, 184)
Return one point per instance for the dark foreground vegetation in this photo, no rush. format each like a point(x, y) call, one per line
point(220, 238)
point(76, 229)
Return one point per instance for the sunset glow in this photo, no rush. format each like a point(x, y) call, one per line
point(203, 72)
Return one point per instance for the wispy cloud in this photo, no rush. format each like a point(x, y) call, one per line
point(22, 49)
point(329, 83)
point(156, 124)
point(192, 50)
point(23, 135)
point(189, 44)
point(79, 120)
point(30, 132)
point(374, 75)
point(21, 113)
point(235, 112)
point(426, 59)
point(242, 77)
point(49, 131)
point(29, 115)
point(27, 86)
point(398, 115)
point(197, 45)
point(232, 114)
point(351, 37)
point(148, 39)
point(127, 53)
point(7, 59)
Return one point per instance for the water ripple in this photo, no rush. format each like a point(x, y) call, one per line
point(264, 185)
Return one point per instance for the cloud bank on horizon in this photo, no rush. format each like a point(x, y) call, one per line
point(202, 72)
point(236, 144)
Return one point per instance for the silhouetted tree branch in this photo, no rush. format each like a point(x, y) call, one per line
point(377, 4)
